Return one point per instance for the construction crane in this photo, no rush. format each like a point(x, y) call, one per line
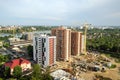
point(85, 26)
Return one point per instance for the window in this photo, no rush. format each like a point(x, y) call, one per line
point(44, 58)
point(43, 44)
point(36, 51)
point(43, 62)
point(43, 54)
point(44, 49)
point(43, 40)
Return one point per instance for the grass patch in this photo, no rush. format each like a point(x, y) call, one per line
point(113, 66)
point(107, 55)
point(99, 77)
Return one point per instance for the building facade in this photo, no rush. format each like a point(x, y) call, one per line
point(63, 43)
point(83, 44)
point(29, 36)
point(76, 43)
point(44, 49)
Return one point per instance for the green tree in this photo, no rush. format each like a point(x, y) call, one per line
point(7, 72)
point(30, 50)
point(12, 79)
point(17, 72)
point(46, 74)
point(3, 58)
point(6, 44)
point(27, 77)
point(36, 72)
point(108, 42)
point(33, 78)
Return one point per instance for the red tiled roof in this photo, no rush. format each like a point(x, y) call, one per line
point(16, 62)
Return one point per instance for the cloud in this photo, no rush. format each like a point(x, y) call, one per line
point(114, 15)
point(53, 18)
point(66, 11)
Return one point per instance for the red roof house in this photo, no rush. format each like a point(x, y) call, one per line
point(23, 63)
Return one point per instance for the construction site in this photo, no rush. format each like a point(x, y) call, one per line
point(88, 66)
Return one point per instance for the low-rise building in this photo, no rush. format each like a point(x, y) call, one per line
point(23, 63)
point(12, 40)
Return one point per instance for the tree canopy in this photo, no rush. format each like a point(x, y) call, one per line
point(17, 72)
point(7, 72)
point(107, 40)
point(30, 50)
point(37, 73)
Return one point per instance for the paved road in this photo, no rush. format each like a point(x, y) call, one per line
point(27, 73)
point(21, 43)
point(9, 52)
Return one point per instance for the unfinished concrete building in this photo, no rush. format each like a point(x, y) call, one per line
point(76, 43)
point(63, 44)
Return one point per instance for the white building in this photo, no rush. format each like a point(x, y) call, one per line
point(44, 49)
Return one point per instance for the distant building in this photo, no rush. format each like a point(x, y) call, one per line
point(13, 39)
point(29, 36)
point(63, 44)
point(23, 63)
point(44, 49)
point(76, 43)
point(33, 28)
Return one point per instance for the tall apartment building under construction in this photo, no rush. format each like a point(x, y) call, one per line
point(68, 43)
point(63, 44)
point(76, 43)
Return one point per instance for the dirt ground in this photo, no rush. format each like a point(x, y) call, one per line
point(114, 74)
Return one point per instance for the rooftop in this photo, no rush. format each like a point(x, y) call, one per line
point(16, 62)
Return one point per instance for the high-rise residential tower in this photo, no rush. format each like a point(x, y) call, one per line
point(63, 43)
point(44, 49)
point(76, 43)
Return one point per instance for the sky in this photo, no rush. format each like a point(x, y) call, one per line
point(59, 12)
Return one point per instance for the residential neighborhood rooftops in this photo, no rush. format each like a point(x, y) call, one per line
point(16, 62)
